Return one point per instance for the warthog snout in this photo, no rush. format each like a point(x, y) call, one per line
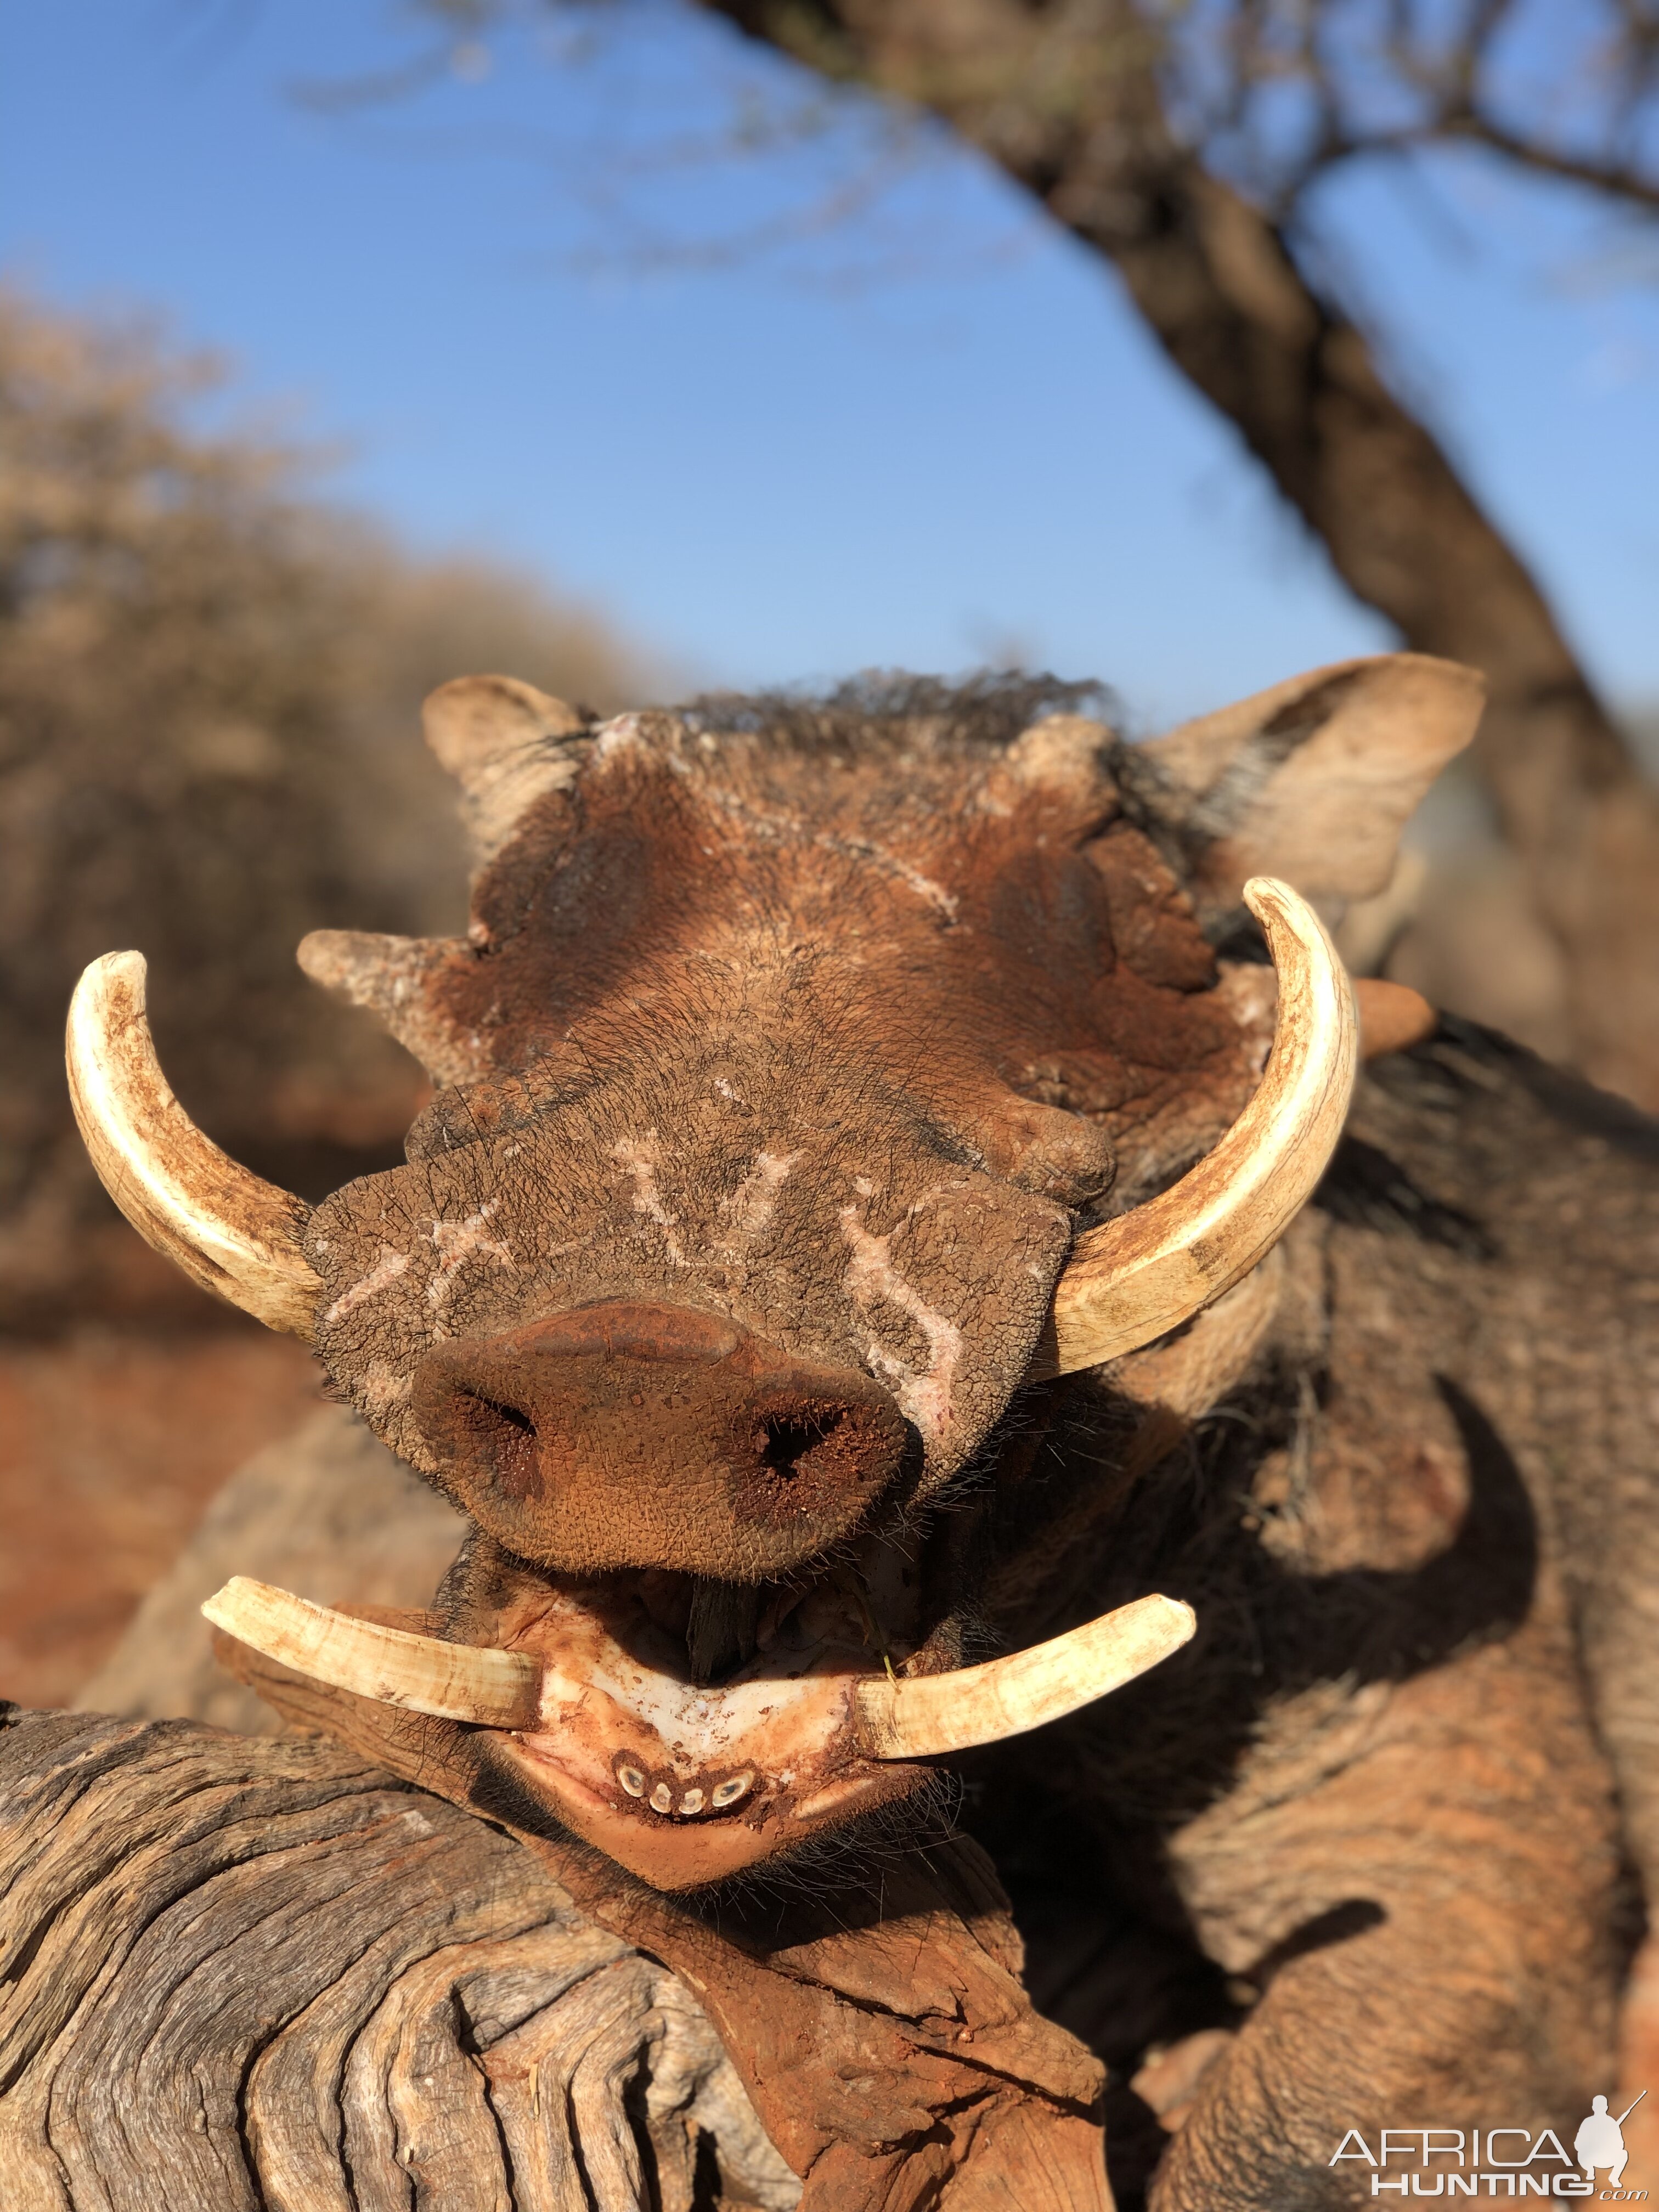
point(805, 1090)
point(626, 1434)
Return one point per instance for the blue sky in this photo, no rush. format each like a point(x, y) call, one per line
point(931, 435)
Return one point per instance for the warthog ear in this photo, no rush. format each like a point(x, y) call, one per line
point(506, 744)
point(1312, 780)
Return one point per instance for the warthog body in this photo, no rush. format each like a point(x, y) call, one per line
point(789, 1052)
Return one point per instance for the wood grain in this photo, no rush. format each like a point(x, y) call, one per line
point(875, 2015)
point(260, 1977)
point(395, 2000)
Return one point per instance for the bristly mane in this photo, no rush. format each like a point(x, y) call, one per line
point(884, 713)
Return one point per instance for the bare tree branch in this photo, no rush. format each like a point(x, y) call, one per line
point(1070, 103)
point(1618, 181)
point(1183, 148)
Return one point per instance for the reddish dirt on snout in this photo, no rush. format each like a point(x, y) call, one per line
point(111, 1445)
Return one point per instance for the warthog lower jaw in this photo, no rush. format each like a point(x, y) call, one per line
point(683, 1783)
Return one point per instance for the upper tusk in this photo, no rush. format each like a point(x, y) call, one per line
point(450, 1681)
point(231, 1233)
point(920, 1717)
point(1136, 1277)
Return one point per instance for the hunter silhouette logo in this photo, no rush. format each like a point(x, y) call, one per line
point(1600, 2142)
point(1499, 2161)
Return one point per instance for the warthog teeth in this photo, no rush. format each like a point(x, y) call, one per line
point(920, 1717)
point(450, 1681)
point(915, 1716)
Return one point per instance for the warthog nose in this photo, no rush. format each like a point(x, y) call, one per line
point(654, 1436)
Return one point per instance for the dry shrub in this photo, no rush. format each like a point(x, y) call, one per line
point(208, 686)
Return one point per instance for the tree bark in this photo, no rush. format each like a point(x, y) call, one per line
point(1067, 101)
point(259, 1977)
point(262, 1975)
point(879, 2037)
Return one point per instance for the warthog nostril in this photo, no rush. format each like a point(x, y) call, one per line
point(626, 1434)
point(799, 1449)
point(787, 1439)
point(504, 1436)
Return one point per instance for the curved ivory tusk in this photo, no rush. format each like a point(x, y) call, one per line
point(450, 1681)
point(910, 1717)
point(1135, 1278)
point(920, 1717)
point(231, 1233)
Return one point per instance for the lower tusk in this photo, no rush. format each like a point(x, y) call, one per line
point(450, 1681)
point(910, 1717)
point(921, 1716)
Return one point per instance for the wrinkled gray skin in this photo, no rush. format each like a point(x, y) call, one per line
point(1372, 1853)
point(1380, 1847)
point(723, 1185)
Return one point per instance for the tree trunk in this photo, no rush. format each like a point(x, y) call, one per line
point(260, 1976)
point(1067, 101)
point(247, 1977)
point(883, 2037)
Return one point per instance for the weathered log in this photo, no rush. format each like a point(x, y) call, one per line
point(881, 2037)
point(261, 1975)
point(875, 2015)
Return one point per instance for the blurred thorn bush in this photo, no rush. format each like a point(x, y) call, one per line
point(209, 683)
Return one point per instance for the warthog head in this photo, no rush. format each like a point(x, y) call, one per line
point(811, 1080)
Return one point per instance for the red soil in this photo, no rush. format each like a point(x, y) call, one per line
point(111, 1444)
